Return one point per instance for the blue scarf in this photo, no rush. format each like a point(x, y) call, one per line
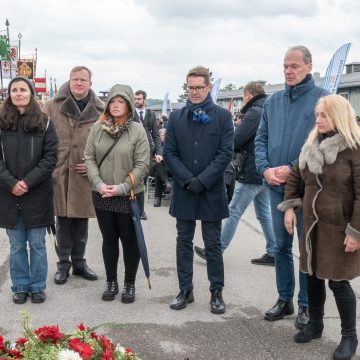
point(199, 111)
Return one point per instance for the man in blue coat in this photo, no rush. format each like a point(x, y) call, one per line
point(287, 118)
point(198, 147)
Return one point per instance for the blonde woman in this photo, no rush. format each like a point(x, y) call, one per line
point(326, 183)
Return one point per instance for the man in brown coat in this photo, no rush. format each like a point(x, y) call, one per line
point(73, 111)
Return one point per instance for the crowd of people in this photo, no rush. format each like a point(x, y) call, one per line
point(295, 154)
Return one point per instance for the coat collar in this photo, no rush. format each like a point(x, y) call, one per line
point(297, 91)
point(69, 108)
point(316, 155)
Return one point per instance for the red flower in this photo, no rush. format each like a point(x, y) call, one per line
point(21, 341)
point(15, 353)
point(108, 354)
point(49, 334)
point(95, 336)
point(106, 342)
point(81, 327)
point(83, 349)
point(128, 351)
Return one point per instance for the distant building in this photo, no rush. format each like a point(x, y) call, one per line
point(349, 87)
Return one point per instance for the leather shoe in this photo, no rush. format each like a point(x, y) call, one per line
point(302, 317)
point(200, 252)
point(157, 202)
point(143, 215)
point(61, 276)
point(20, 297)
point(183, 298)
point(85, 272)
point(217, 304)
point(346, 349)
point(38, 297)
point(279, 310)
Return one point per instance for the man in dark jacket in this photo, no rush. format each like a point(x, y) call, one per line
point(249, 186)
point(286, 121)
point(198, 148)
point(147, 118)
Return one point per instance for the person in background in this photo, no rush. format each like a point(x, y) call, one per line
point(147, 118)
point(28, 155)
point(73, 110)
point(198, 147)
point(249, 185)
point(326, 184)
point(117, 139)
point(286, 120)
point(161, 174)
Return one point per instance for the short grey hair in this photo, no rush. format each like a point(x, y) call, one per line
point(254, 88)
point(307, 57)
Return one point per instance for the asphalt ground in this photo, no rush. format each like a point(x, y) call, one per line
point(155, 331)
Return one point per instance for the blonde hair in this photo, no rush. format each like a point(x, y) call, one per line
point(342, 116)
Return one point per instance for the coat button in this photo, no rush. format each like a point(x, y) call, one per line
point(195, 161)
point(196, 143)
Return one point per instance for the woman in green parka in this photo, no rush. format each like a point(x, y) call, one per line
point(108, 175)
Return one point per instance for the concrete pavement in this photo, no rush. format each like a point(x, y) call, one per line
point(156, 332)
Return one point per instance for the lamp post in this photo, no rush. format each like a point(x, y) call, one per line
point(19, 37)
point(8, 38)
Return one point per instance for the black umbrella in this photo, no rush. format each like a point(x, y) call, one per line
point(135, 215)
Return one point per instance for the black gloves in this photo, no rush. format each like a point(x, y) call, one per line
point(195, 186)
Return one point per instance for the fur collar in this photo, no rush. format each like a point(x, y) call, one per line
point(69, 108)
point(316, 155)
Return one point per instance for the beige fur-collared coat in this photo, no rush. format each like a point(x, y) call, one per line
point(330, 171)
point(72, 192)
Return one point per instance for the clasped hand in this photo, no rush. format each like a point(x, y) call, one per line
point(111, 190)
point(20, 188)
point(276, 175)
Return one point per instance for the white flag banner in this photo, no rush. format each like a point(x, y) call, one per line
point(215, 90)
point(165, 105)
point(9, 68)
point(335, 69)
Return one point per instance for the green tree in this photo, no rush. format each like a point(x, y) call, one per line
point(229, 87)
point(184, 96)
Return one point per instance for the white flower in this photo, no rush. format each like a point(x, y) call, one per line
point(120, 348)
point(69, 355)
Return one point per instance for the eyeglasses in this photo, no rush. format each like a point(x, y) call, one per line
point(79, 80)
point(196, 88)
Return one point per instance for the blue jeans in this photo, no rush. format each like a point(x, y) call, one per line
point(284, 264)
point(27, 276)
point(242, 197)
point(185, 253)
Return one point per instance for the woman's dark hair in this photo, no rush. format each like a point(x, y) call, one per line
point(34, 119)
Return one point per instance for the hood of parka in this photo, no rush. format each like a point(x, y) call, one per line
point(126, 92)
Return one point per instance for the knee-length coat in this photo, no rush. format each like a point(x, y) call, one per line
point(330, 172)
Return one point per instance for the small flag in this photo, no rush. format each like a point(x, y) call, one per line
point(4, 48)
point(230, 104)
point(165, 105)
point(335, 69)
point(40, 85)
point(55, 87)
point(215, 90)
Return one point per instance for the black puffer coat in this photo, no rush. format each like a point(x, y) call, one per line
point(32, 157)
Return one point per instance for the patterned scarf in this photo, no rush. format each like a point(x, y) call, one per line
point(113, 129)
point(199, 111)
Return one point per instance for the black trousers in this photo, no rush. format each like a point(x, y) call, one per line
point(211, 231)
point(345, 301)
point(115, 226)
point(71, 239)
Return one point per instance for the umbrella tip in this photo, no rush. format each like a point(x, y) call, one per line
point(149, 283)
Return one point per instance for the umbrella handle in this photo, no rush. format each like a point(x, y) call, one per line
point(132, 184)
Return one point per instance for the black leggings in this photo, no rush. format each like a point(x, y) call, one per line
point(114, 225)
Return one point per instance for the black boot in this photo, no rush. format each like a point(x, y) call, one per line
point(346, 304)
point(309, 332)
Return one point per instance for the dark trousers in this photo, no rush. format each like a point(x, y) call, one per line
point(211, 231)
point(114, 225)
point(345, 301)
point(71, 239)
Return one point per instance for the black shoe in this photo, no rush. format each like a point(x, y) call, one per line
point(128, 293)
point(217, 304)
point(157, 202)
point(279, 310)
point(85, 272)
point(111, 290)
point(61, 276)
point(309, 332)
point(168, 187)
point(183, 298)
point(143, 215)
point(264, 260)
point(346, 349)
point(200, 252)
point(20, 297)
point(38, 297)
point(302, 317)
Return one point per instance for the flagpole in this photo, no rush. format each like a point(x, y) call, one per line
point(2, 85)
point(8, 37)
point(19, 37)
point(35, 62)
